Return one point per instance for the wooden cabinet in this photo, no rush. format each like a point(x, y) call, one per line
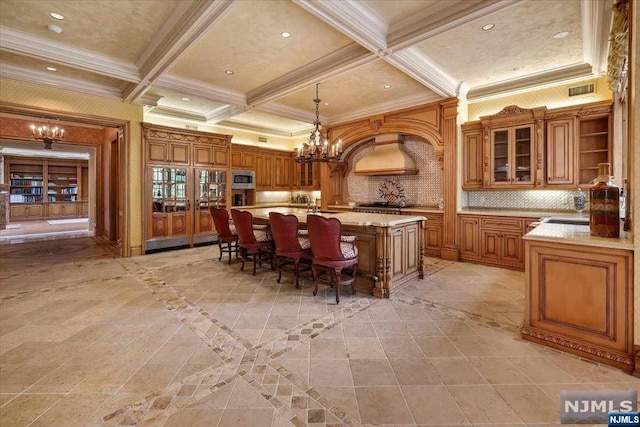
point(264, 171)
point(560, 152)
point(472, 158)
point(594, 143)
point(405, 249)
point(580, 299)
point(282, 171)
point(517, 147)
point(493, 240)
point(186, 173)
point(469, 227)
point(432, 231)
point(511, 159)
point(42, 188)
point(242, 159)
point(307, 176)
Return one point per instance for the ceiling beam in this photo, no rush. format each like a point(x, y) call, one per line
point(425, 24)
point(223, 113)
point(344, 59)
point(190, 20)
point(596, 25)
point(417, 64)
point(25, 44)
point(55, 80)
point(201, 90)
point(351, 18)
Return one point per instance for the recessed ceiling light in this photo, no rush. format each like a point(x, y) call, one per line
point(327, 103)
point(56, 16)
point(54, 29)
point(285, 34)
point(488, 27)
point(228, 72)
point(51, 69)
point(186, 99)
point(561, 35)
point(387, 86)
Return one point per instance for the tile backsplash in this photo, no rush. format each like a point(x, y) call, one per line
point(555, 200)
point(423, 189)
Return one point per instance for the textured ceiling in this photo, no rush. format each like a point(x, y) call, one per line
point(157, 52)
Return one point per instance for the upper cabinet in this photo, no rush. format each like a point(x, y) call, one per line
point(511, 160)
point(242, 158)
point(536, 148)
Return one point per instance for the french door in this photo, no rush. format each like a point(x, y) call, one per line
point(179, 200)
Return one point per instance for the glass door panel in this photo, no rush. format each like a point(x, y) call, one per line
point(500, 155)
point(523, 155)
point(211, 190)
point(169, 202)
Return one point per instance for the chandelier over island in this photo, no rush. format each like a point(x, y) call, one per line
point(47, 134)
point(317, 150)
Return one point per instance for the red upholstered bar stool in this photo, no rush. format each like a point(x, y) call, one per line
point(290, 247)
point(255, 243)
point(227, 235)
point(331, 251)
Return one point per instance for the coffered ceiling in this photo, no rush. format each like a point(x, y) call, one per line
point(175, 57)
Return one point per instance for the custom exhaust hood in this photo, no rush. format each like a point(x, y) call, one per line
point(388, 158)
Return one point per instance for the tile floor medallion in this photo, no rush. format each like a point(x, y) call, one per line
point(180, 339)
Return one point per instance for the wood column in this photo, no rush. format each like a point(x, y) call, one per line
point(449, 138)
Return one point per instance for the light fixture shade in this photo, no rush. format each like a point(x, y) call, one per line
point(317, 150)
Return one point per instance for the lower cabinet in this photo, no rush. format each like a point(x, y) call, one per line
point(26, 211)
point(63, 210)
point(579, 299)
point(432, 232)
point(405, 250)
point(495, 240)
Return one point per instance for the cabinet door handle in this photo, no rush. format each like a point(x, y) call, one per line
point(188, 205)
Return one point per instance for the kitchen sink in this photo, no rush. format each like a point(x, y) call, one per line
point(565, 220)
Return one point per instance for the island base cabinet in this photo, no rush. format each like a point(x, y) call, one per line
point(580, 299)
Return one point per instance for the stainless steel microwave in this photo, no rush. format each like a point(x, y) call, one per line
point(243, 180)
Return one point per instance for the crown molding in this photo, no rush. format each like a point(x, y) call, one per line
point(289, 112)
point(26, 44)
point(423, 69)
point(49, 79)
point(596, 25)
point(351, 18)
point(190, 20)
point(576, 71)
point(199, 89)
point(260, 130)
point(176, 113)
point(344, 59)
point(425, 24)
point(223, 113)
point(383, 107)
point(149, 100)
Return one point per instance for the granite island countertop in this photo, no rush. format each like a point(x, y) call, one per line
point(346, 218)
point(578, 235)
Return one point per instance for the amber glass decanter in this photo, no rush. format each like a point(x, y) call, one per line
point(604, 199)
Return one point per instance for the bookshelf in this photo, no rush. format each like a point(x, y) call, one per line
point(45, 188)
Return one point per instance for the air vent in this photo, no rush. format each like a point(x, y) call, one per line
point(582, 90)
point(262, 139)
point(192, 127)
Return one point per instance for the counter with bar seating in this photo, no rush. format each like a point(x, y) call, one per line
point(390, 247)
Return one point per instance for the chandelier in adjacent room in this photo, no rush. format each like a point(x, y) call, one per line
point(47, 134)
point(317, 150)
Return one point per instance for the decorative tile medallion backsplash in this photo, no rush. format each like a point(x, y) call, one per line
point(422, 189)
point(550, 200)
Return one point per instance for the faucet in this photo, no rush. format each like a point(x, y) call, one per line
point(315, 208)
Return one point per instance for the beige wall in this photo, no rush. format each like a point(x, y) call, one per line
point(551, 97)
point(75, 103)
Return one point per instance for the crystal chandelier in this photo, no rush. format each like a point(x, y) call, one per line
point(317, 150)
point(47, 134)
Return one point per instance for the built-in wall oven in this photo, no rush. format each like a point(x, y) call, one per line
point(243, 180)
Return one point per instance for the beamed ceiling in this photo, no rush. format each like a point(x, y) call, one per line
point(171, 56)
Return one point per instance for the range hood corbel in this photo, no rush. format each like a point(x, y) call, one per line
point(388, 158)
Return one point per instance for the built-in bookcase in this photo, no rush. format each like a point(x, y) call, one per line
point(46, 188)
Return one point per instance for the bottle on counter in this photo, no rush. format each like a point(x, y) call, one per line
point(604, 200)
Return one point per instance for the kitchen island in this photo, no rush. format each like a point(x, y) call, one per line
point(390, 247)
point(579, 293)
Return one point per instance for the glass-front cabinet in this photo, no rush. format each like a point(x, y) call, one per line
point(512, 155)
point(211, 190)
point(170, 204)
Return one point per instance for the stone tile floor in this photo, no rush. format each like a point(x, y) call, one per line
point(180, 339)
